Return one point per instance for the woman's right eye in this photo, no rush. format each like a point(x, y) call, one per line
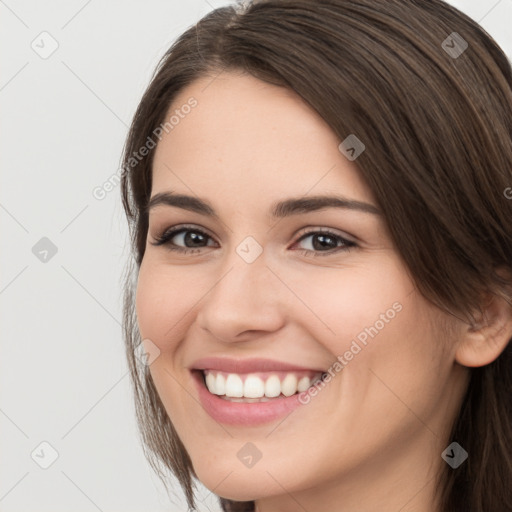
point(183, 235)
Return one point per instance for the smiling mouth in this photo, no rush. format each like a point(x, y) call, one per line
point(258, 386)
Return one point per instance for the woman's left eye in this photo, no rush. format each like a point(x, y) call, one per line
point(324, 239)
point(323, 243)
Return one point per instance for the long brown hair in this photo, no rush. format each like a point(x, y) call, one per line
point(434, 110)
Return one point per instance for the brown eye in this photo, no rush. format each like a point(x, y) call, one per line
point(184, 239)
point(325, 242)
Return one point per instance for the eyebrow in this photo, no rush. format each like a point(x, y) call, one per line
point(280, 209)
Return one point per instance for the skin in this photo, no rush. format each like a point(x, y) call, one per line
point(372, 438)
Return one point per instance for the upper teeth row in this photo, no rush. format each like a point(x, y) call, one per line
point(232, 385)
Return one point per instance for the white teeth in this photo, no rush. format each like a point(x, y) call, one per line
point(289, 385)
point(220, 385)
point(303, 384)
point(234, 386)
point(254, 387)
point(273, 386)
point(210, 382)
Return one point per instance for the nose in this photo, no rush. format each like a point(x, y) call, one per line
point(246, 300)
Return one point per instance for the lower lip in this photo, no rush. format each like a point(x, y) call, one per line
point(238, 413)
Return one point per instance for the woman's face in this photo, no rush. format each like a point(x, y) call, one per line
point(310, 289)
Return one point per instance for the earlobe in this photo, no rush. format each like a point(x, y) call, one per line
point(483, 342)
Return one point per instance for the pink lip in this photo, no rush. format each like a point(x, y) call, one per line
point(245, 414)
point(245, 365)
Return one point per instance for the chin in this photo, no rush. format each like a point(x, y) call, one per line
point(239, 485)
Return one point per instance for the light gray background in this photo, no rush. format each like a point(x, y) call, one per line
point(63, 375)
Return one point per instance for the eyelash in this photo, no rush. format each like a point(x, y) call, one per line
point(166, 236)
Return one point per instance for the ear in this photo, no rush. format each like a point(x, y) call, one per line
point(484, 341)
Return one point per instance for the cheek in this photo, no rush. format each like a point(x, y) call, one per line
point(388, 381)
point(162, 302)
point(375, 326)
point(350, 303)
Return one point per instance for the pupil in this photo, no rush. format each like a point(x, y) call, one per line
point(194, 238)
point(322, 239)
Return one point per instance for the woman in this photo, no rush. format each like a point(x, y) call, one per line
point(318, 200)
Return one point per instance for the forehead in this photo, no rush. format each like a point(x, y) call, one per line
point(251, 141)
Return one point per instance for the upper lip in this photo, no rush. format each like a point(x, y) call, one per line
point(224, 364)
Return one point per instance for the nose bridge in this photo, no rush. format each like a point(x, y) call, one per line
point(245, 281)
point(245, 271)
